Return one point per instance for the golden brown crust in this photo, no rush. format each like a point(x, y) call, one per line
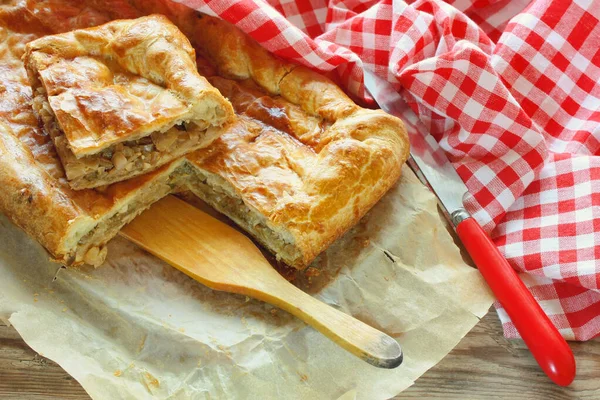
point(316, 187)
point(29, 198)
point(121, 81)
point(302, 154)
point(150, 47)
point(234, 54)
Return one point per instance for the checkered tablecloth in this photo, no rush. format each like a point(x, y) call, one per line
point(510, 89)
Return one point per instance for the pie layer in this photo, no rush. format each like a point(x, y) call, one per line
point(122, 99)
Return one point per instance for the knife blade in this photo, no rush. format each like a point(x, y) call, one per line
point(427, 159)
point(433, 168)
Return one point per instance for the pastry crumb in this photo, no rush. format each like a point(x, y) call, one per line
point(151, 380)
point(117, 373)
point(142, 343)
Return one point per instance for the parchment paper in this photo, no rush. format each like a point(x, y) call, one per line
point(136, 328)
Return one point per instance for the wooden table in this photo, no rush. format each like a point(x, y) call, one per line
point(484, 365)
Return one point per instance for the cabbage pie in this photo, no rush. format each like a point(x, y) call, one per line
point(298, 166)
point(122, 99)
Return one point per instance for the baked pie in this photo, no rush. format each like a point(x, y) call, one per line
point(122, 99)
point(299, 166)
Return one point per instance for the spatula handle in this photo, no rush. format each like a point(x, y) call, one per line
point(358, 338)
point(549, 348)
point(222, 258)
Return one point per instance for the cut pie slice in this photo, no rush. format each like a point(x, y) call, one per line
point(122, 99)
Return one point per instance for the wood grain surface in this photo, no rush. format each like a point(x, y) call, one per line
point(484, 365)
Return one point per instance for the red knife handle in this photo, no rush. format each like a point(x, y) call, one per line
point(549, 348)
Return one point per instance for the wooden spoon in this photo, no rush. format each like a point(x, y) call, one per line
point(220, 257)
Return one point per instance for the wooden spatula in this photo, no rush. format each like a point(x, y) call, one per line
point(220, 257)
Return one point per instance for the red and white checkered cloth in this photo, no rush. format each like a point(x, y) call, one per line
point(510, 89)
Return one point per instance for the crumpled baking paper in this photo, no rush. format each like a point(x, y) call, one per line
point(136, 328)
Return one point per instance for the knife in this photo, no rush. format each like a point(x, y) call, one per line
point(430, 164)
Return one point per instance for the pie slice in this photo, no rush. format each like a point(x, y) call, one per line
point(122, 99)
